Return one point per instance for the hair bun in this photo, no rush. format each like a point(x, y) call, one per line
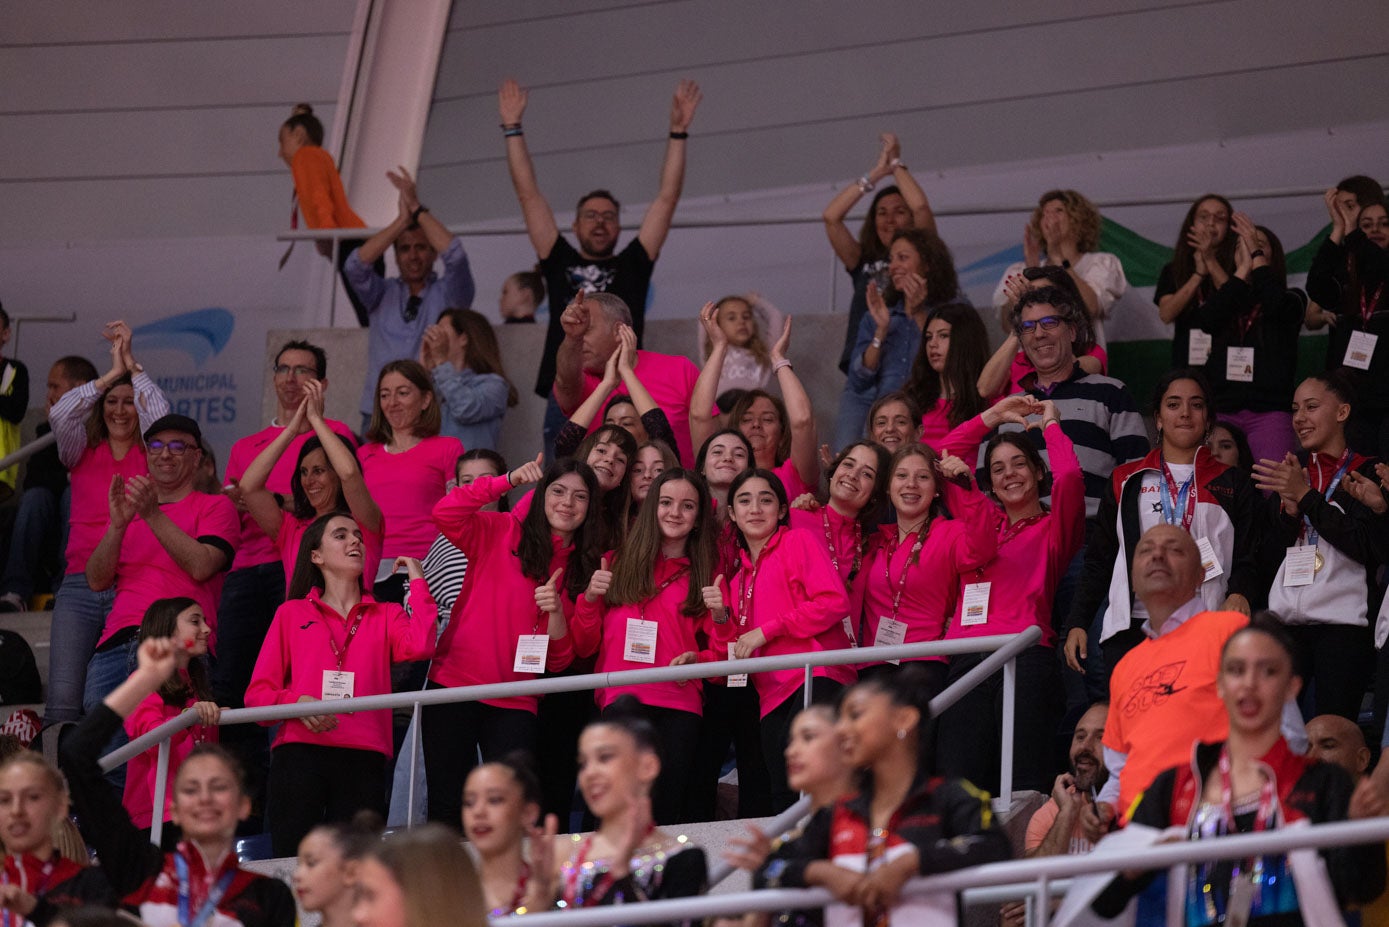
point(302, 109)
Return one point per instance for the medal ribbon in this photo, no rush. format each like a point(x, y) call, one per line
point(1342, 466)
point(1174, 499)
point(209, 905)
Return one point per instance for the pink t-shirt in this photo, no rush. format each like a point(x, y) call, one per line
point(255, 547)
point(406, 486)
point(670, 379)
point(145, 571)
point(91, 506)
point(292, 533)
point(791, 480)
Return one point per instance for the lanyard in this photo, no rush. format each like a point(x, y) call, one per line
point(1173, 498)
point(1341, 466)
point(1266, 800)
point(749, 582)
point(1248, 322)
point(45, 875)
point(641, 606)
point(888, 554)
point(517, 896)
point(834, 550)
point(1367, 307)
point(341, 654)
point(209, 905)
point(1018, 527)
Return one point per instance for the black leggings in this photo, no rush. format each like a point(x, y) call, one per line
point(453, 735)
point(730, 719)
point(776, 734)
point(677, 735)
point(312, 785)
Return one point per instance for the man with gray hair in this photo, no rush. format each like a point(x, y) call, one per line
point(592, 324)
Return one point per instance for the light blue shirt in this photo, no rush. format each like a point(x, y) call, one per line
point(472, 404)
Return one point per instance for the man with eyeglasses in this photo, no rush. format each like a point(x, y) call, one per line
point(255, 587)
point(164, 539)
point(401, 308)
point(596, 265)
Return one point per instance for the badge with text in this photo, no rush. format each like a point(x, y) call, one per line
point(891, 632)
point(975, 609)
point(736, 680)
point(1210, 562)
point(1239, 365)
point(531, 651)
point(1198, 348)
point(337, 684)
point(1361, 350)
point(640, 643)
point(1300, 565)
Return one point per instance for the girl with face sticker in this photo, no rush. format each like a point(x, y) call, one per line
point(98, 427)
point(512, 626)
point(1321, 546)
point(782, 595)
point(1203, 263)
point(1177, 483)
point(1253, 782)
point(644, 608)
point(902, 823)
point(210, 799)
point(330, 640)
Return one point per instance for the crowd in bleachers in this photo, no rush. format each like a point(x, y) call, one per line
point(680, 512)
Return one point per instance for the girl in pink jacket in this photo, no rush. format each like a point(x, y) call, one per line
point(646, 612)
point(511, 619)
point(783, 597)
point(330, 640)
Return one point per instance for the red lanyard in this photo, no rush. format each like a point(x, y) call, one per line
point(749, 582)
point(1248, 322)
point(1261, 817)
point(641, 606)
point(518, 896)
point(1172, 497)
point(906, 567)
point(1018, 527)
point(341, 654)
point(834, 549)
point(1367, 308)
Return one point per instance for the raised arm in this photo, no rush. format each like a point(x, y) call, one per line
point(889, 163)
point(343, 461)
point(706, 387)
point(260, 502)
point(627, 371)
point(569, 368)
point(198, 559)
point(804, 454)
point(538, 216)
point(438, 235)
point(655, 225)
point(68, 416)
point(378, 244)
point(993, 379)
point(101, 565)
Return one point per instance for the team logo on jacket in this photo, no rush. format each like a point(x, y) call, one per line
point(1153, 689)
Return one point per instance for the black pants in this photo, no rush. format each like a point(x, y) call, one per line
point(776, 734)
point(1115, 649)
point(561, 719)
point(312, 785)
point(1336, 662)
point(731, 718)
point(453, 735)
point(677, 735)
point(969, 737)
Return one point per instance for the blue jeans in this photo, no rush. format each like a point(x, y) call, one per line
point(107, 670)
point(35, 529)
point(851, 421)
point(550, 428)
point(79, 614)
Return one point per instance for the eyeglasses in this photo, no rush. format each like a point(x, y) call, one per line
point(593, 215)
point(1047, 323)
point(411, 310)
point(284, 370)
point(177, 448)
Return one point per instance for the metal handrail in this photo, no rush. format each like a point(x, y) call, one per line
point(1040, 871)
point(23, 453)
point(1005, 647)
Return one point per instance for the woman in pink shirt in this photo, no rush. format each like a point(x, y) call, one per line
point(1013, 592)
point(857, 499)
point(894, 421)
point(781, 431)
point(783, 597)
point(327, 478)
point(942, 530)
point(647, 611)
point(331, 640)
point(510, 620)
point(407, 465)
point(98, 427)
point(944, 378)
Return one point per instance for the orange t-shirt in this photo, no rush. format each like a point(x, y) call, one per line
point(322, 199)
point(1162, 699)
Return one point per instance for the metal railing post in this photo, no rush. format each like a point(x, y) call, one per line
point(1041, 904)
point(809, 675)
point(414, 763)
point(1005, 771)
point(161, 774)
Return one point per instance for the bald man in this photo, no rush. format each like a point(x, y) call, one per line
point(1334, 739)
point(1162, 695)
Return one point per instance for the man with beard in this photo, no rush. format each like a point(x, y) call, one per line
point(1058, 827)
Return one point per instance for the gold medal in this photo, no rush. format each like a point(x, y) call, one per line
point(1317, 562)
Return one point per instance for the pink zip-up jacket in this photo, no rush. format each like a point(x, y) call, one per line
point(497, 602)
point(953, 546)
point(846, 535)
point(797, 601)
point(297, 651)
point(1030, 562)
point(602, 628)
point(138, 797)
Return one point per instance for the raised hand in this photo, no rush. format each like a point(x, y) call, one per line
point(157, 658)
point(141, 495)
point(682, 106)
point(782, 343)
point(511, 101)
point(313, 401)
point(412, 567)
point(806, 502)
point(611, 377)
point(599, 582)
point(1197, 242)
point(400, 178)
point(913, 290)
point(1365, 491)
point(1050, 413)
point(877, 308)
point(713, 598)
point(529, 472)
point(575, 318)
point(952, 467)
point(1016, 286)
point(1244, 227)
point(709, 318)
point(548, 597)
point(540, 887)
point(626, 350)
point(122, 511)
point(118, 334)
point(1031, 248)
point(1014, 409)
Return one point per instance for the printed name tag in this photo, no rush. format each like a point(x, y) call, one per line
point(975, 609)
point(890, 633)
point(1198, 348)
point(736, 680)
point(531, 650)
point(1361, 350)
point(640, 645)
point(1239, 365)
point(337, 684)
point(1300, 565)
point(1209, 561)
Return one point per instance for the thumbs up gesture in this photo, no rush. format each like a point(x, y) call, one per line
point(599, 582)
point(529, 472)
point(713, 599)
point(547, 597)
